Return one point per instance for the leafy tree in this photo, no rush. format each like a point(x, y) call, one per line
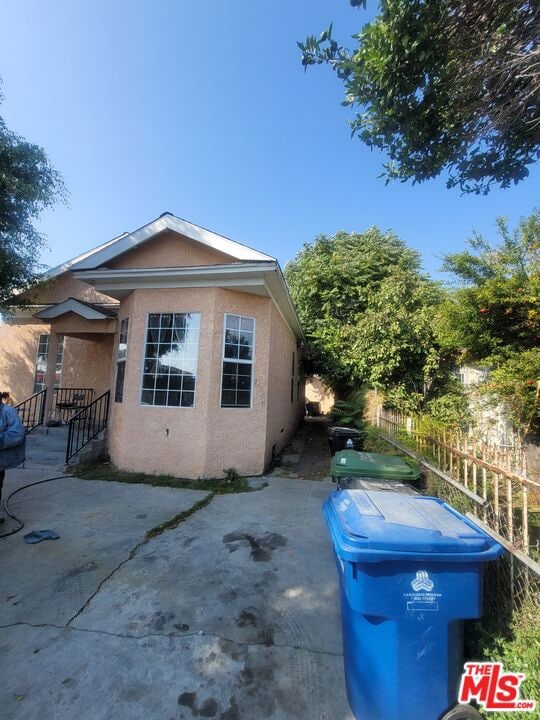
point(367, 310)
point(515, 384)
point(444, 86)
point(493, 316)
point(496, 309)
point(28, 185)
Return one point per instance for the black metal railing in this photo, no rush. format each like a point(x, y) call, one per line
point(32, 410)
point(87, 424)
point(67, 401)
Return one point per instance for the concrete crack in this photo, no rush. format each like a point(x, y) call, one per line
point(174, 636)
point(155, 532)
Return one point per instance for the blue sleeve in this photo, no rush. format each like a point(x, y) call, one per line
point(12, 432)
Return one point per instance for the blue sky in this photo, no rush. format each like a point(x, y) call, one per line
point(202, 108)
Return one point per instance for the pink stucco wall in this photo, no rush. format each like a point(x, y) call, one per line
point(18, 349)
point(204, 439)
point(86, 363)
point(64, 286)
point(169, 249)
point(283, 415)
point(87, 359)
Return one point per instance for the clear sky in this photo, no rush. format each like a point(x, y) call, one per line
point(202, 108)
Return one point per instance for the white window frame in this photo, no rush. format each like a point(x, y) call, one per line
point(143, 358)
point(234, 360)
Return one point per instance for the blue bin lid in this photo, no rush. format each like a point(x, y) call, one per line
point(376, 526)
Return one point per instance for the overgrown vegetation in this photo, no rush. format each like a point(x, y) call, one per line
point(107, 471)
point(492, 317)
point(368, 310)
point(350, 412)
point(517, 646)
point(374, 320)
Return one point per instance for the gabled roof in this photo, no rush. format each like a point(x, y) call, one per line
point(89, 311)
point(110, 250)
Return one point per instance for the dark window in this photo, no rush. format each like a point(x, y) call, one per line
point(121, 356)
point(237, 370)
point(170, 360)
point(119, 390)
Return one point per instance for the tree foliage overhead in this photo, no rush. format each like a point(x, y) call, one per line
point(444, 85)
point(367, 310)
point(28, 185)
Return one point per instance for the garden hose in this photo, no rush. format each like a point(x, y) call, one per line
point(24, 487)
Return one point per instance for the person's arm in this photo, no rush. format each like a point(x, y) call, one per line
point(13, 433)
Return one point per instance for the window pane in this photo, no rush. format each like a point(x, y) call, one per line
point(244, 382)
point(247, 324)
point(189, 382)
point(245, 352)
point(119, 389)
point(231, 351)
point(147, 397)
point(232, 322)
point(122, 339)
point(179, 321)
point(150, 366)
point(229, 382)
point(239, 336)
point(149, 381)
point(232, 337)
point(173, 339)
point(162, 382)
point(236, 385)
point(228, 398)
point(173, 399)
point(243, 399)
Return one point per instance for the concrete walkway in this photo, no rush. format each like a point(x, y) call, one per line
point(232, 615)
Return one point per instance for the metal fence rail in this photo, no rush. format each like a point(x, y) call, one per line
point(511, 582)
point(32, 409)
point(511, 501)
point(85, 425)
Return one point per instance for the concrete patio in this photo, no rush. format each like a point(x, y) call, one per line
point(232, 615)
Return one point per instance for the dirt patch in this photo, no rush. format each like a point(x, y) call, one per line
point(310, 450)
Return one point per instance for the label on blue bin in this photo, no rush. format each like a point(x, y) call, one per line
point(427, 601)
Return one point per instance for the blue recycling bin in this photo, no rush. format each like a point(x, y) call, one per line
point(410, 571)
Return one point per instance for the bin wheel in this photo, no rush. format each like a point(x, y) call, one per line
point(462, 712)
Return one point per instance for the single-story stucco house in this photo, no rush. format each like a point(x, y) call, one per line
point(194, 336)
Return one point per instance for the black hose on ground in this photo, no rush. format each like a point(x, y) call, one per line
point(24, 487)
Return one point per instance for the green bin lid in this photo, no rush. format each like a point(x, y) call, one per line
point(351, 463)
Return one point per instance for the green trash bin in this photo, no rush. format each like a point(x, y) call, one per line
point(350, 464)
